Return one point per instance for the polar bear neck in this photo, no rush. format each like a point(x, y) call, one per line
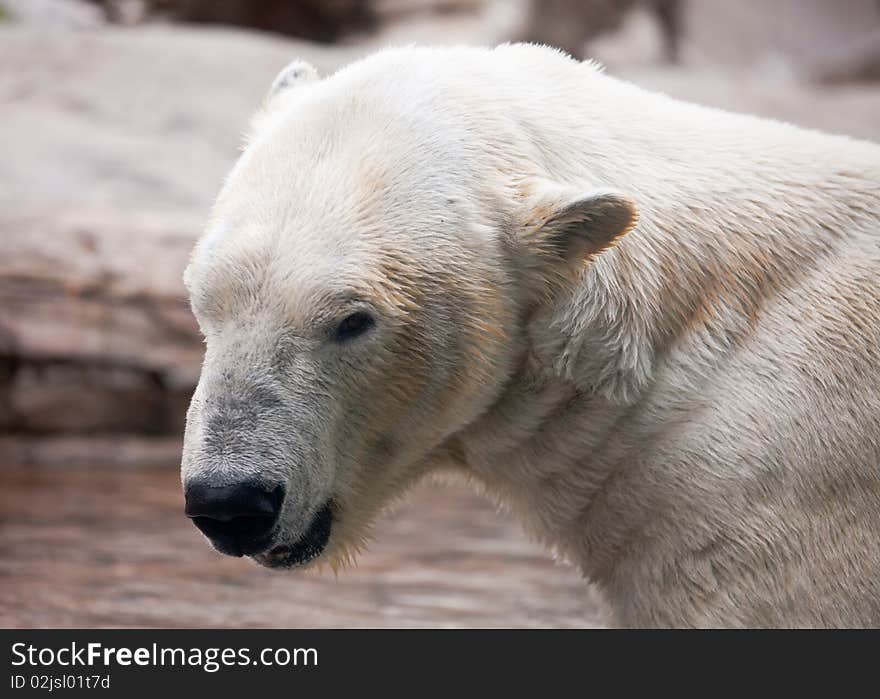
point(725, 227)
point(737, 214)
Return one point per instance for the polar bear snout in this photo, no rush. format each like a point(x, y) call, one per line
point(239, 519)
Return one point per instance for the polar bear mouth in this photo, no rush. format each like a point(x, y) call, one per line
point(308, 547)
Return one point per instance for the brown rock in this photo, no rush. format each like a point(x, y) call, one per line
point(115, 142)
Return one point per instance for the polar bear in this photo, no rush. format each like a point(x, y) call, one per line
point(649, 328)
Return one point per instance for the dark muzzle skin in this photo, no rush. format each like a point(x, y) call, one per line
point(309, 546)
point(239, 519)
point(242, 519)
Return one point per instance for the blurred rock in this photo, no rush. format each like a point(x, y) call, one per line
point(445, 22)
point(73, 397)
point(855, 61)
point(74, 14)
point(98, 547)
point(318, 20)
point(335, 20)
point(100, 288)
point(115, 143)
point(89, 451)
point(572, 24)
point(847, 110)
point(783, 36)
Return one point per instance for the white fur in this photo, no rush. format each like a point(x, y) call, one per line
point(693, 420)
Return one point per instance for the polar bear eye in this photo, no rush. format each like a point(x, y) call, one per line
point(353, 325)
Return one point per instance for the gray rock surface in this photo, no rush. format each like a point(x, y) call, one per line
point(115, 142)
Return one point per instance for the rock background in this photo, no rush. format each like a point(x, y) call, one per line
point(115, 141)
point(115, 137)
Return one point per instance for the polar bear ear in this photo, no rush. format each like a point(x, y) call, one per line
point(294, 74)
point(564, 228)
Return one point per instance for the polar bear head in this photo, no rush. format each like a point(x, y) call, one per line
point(363, 287)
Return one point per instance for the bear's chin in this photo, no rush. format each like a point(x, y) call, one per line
point(305, 549)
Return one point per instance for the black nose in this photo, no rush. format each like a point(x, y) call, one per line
point(239, 519)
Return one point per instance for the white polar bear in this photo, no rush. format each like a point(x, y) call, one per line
point(650, 328)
